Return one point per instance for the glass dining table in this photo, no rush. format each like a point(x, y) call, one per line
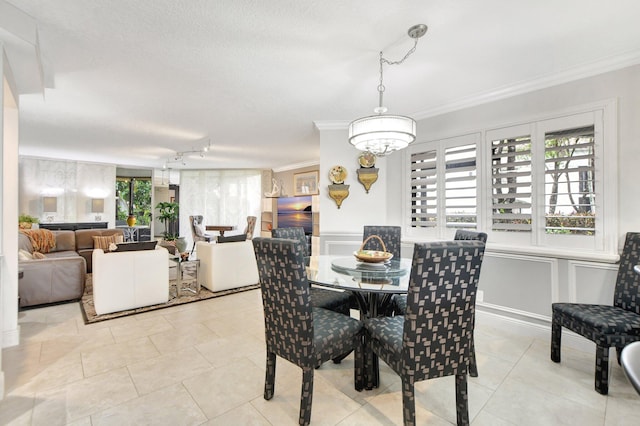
point(373, 285)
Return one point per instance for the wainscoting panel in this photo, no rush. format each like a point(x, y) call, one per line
point(520, 283)
point(591, 282)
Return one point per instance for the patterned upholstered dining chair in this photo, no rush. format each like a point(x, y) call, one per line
point(294, 330)
point(338, 301)
point(390, 235)
point(400, 300)
point(606, 325)
point(433, 338)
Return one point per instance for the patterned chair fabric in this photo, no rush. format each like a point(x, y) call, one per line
point(400, 300)
point(390, 235)
point(433, 338)
point(293, 233)
point(337, 301)
point(197, 231)
point(607, 326)
point(294, 330)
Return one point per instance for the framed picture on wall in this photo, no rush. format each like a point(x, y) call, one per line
point(305, 183)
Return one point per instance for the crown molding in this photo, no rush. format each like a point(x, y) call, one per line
point(331, 124)
point(297, 166)
point(591, 69)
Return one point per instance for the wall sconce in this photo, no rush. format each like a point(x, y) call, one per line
point(49, 205)
point(97, 206)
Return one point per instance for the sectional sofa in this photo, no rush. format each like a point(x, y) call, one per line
point(60, 275)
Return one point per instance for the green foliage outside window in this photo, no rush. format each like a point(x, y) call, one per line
point(141, 200)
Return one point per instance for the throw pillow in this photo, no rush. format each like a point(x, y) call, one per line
point(38, 255)
point(24, 255)
point(102, 242)
point(232, 238)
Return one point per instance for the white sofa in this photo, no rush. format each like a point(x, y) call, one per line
point(227, 265)
point(131, 279)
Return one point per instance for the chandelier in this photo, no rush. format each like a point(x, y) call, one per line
point(382, 134)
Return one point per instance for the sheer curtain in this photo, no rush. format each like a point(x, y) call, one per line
point(223, 197)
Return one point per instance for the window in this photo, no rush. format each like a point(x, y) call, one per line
point(543, 183)
point(460, 186)
point(424, 189)
point(445, 199)
point(511, 184)
point(570, 181)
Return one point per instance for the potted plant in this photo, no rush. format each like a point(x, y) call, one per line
point(25, 221)
point(169, 213)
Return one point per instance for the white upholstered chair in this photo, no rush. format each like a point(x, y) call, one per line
point(131, 279)
point(227, 265)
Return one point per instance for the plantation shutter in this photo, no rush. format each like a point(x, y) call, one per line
point(570, 181)
point(461, 186)
point(511, 184)
point(424, 186)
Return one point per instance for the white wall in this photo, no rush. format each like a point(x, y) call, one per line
point(359, 209)
point(517, 287)
point(8, 211)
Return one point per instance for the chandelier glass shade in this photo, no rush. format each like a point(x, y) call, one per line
point(382, 134)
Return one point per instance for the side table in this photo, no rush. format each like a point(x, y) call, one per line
point(191, 284)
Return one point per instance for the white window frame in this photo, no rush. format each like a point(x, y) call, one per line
point(603, 246)
point(440, 231)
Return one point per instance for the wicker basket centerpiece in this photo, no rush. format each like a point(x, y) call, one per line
point(373, 256)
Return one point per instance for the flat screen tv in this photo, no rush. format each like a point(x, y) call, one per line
point(295, 211)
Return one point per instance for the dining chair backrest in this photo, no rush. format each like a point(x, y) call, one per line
point(195, 222)
point(463, 234)
point(438, 323)
point(285, 296)
point(391, 235)
point(251, 226)
point(293, 233)
point(627, 290)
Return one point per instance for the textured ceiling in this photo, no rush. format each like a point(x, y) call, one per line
point(132, 82)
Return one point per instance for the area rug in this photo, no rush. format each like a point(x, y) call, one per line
point(90, 315)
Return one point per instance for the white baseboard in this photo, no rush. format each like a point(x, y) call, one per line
point(533, 327)
point(11, 337)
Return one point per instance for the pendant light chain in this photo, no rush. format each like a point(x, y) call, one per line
point(382, 134)
point(381, 109)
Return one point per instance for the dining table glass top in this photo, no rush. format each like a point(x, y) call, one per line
point(347, 273)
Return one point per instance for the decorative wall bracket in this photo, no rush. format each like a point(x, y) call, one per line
point(367, 176)
point(338, 192)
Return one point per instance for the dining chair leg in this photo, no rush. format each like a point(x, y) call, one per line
point(306, 396)
point(368, 363)
point(358, 364)
point(462, 400)
point(602, 370)
point(270, 376)
point(556, 338)
point(408, 402)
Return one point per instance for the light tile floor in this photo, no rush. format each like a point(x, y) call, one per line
point(203, 363)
